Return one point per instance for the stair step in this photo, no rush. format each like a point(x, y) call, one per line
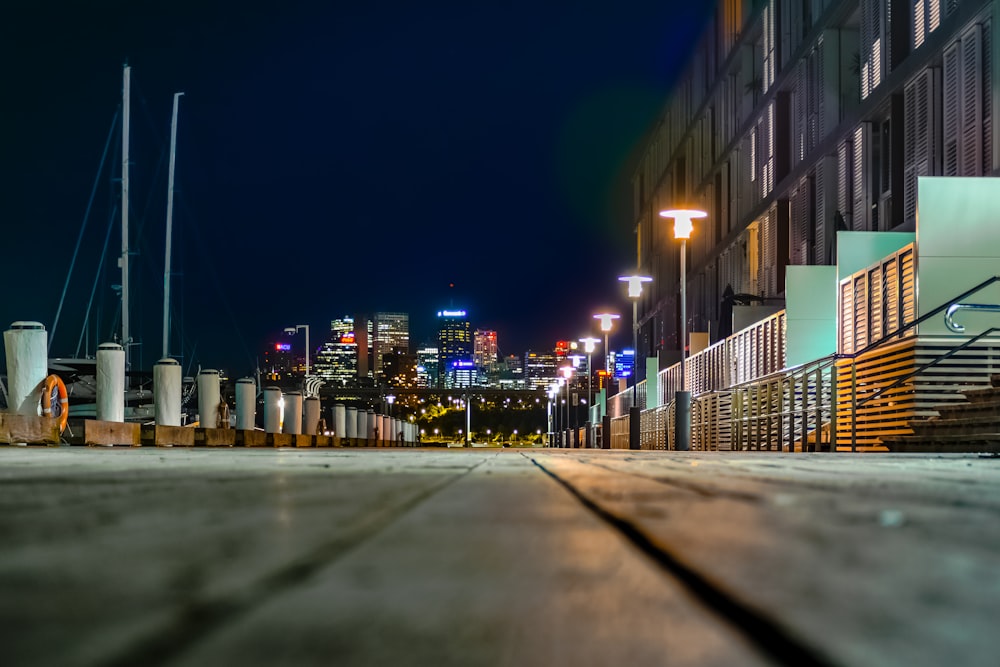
point(991, 422)
point(982, 442)
point(958, 410)
point(983, 394)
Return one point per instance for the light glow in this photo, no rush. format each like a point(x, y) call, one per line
point(607, 319)
point(683, 225)
point(590, 344)
point(635, 284)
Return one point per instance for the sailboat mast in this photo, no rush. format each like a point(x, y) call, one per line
point(170, 226)
point(123, 260)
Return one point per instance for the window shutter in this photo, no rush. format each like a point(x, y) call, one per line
point(822, 213)
point(800, 223)
point(950, 110)
point(799, 122)
point(971, 95)
point(919, 23)
point(843, 177)
point(859, 205)
point(987, 113)
point(768, 261)
point(919, 128)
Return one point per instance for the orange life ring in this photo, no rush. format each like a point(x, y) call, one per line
point(55, 383)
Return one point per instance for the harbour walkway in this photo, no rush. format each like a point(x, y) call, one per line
point(528, 557)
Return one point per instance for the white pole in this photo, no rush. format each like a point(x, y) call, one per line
point(350, 422)
point(246, 404)
point(272, 409)
point(170, 226)
point(683, 310)
point(26, 345)
point(307, 350)
point(208, 398)
point(123, 261)
point(311, 419)
point(340, 420)
point(110, 382)
point(293, 413)
point(167, 392)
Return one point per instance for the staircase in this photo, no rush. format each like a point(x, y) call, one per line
point(972, 426)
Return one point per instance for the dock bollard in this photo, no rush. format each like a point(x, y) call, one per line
point(272, 409)
point(110, 383)
point(350, 426)
point(311, 415)
point(370, 429)
point(167, 392)
point(246, 404)
point(26, 345)
point(293, 413)
point(340, 420)
point(208, 398)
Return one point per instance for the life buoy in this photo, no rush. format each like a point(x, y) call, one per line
point(54, 383)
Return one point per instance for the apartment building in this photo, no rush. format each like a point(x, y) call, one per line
point(794, 119)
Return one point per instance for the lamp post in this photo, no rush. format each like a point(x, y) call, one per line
point(567, 373)
point(589, 344)
point(293, 331)
point(607, 320)
point(576, 359)
point(634, 292)
point(390, 399)
point(683, 227)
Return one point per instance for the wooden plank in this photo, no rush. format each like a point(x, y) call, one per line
point(106, 434)
point(29, 429)
point(302, 440)
point(166, 436)
point(248, 438)
point(214, 437)
point(280, 440)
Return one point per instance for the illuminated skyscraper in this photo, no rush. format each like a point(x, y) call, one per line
point(427, 367)
point(454, 341)
point(539, 370)
point(337, 359)
point(391, 336)
point(484, 352)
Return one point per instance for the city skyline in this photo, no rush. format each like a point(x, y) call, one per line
point(327, 154)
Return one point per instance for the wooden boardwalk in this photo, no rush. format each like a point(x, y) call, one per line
point(496, 557)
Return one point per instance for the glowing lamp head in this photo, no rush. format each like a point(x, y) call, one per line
point(683, 225)
point(567, 371)
point(590, 344)
point(607, 319)
point(635, 284)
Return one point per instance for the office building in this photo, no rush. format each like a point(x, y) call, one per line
point(793, 121)
point(540, 370)
point(337, 358)
point(484, 352)
point(454, 341)
point(427, 367)
point(391, 335)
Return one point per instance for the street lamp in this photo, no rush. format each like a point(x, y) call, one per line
point(589, 345)
point(292, 331)
point(567, 372)
point(607, 319)
point(390, 399)
point(683, 226)
point(634, 292)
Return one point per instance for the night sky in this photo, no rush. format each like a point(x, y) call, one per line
point(332, 159)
